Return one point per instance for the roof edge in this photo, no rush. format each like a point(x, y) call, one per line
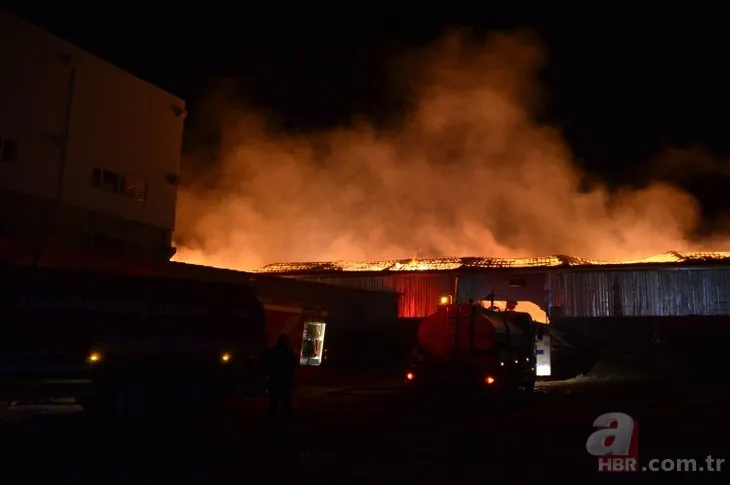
point(671, 258)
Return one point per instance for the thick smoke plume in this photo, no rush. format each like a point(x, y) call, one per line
point(468, 172)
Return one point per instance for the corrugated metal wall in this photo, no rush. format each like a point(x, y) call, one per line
point(577, 293)
point(347, 307)
point(507, 285)
point(419, 293)
point(661, 292)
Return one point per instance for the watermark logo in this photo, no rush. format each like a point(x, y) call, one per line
point(615, 443)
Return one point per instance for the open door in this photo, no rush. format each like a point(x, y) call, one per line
point(312, 351)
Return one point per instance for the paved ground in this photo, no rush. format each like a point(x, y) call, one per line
point(371, 433)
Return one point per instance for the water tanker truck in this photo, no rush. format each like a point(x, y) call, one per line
point(468, 347)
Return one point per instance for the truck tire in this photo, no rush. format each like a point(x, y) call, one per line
point(87, 403)
point(529, 387)
point(198, 400)
point(6, 404)
point(97, 401)
point(114, 395)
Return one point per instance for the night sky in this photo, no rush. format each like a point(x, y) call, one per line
point(619, 87)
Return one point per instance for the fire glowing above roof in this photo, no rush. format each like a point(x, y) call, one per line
point(449, 264)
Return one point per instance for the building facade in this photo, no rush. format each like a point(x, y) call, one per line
point(89, 154)
point(672, 284)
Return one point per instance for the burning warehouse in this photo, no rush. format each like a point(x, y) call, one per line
point(591, 305)
point(670, 284)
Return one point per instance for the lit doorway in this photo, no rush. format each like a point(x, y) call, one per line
point(312, 343)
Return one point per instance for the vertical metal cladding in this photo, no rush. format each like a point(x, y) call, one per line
point(595, 292)
point(419, 293)
point(646, 292)
point(506, 285)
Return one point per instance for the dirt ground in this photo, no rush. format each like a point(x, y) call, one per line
point(371, 431)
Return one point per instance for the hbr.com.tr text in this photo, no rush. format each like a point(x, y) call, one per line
point(709, 464)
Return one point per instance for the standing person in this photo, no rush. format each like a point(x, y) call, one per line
point(281, 364)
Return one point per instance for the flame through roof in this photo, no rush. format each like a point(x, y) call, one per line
point(450, 264)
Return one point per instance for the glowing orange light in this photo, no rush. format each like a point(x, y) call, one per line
point(450, 264)
point(489, 380)
point(410, 376)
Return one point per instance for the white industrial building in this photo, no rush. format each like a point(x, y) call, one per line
point(89, 154)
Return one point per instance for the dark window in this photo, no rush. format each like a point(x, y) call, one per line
point(134, 188)
point(106, 180)
point(517, 282)
point(125, 185)
point(9, 150)
point(96, 178)
point(110, 181)
point(116, 243)
point(101, 241)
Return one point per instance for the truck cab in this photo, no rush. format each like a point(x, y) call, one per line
point(103, 337)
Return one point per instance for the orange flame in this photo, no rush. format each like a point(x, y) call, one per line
point(447, 264)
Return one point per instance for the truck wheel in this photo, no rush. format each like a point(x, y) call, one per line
point(99, 405)
point(529, 386)
point(525, 393)
point(113, 396)
point(6, 405)
point(86, 403)
point(194, 400)
point(97, 399)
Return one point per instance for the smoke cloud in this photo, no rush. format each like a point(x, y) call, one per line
point(468, 172)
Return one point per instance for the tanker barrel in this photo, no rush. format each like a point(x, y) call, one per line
point(523, 321)
point(519, 327)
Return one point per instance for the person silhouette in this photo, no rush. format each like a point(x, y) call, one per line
point(281, 364)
